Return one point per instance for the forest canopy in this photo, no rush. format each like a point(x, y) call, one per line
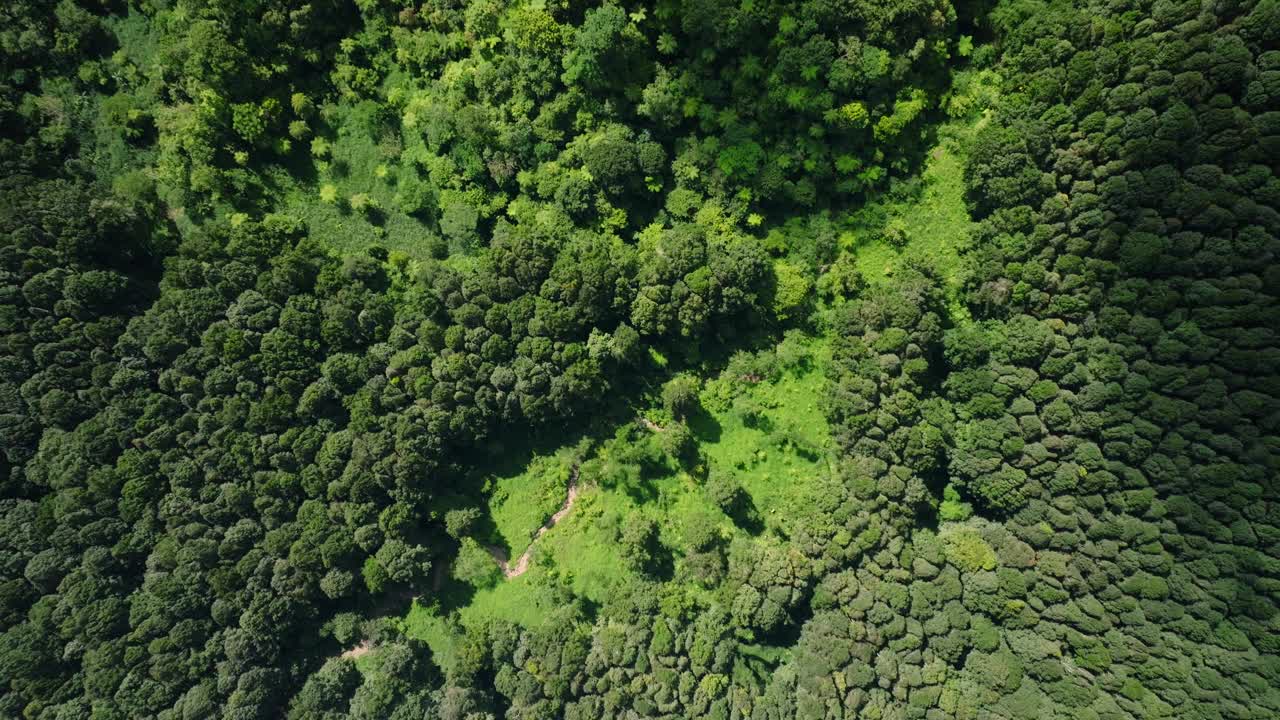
point(742, 360)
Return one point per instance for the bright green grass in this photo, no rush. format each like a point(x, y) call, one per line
point(440, 633)
point(578, 553)
point(773, 470)
point(581, 552)
point(357, 165)
point(679, 502)
point(528, 601)
point(519, 504)
point(765, 460)
point(937, 222)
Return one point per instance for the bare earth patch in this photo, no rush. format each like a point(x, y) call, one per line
point(358, 651)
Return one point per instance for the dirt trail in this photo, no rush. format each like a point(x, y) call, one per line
point(510, 570)
point(388, 606)
point(358, 651)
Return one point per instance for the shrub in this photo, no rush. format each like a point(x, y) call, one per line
point(966, 549)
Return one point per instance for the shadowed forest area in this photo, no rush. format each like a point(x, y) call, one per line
point(726, 359)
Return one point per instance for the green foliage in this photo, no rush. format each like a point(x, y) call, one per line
point(966, 549)
point(952, 508)
point(680, 396)
point(291, 293)
point(461, 522)
point(475, 566)
point(792, 292)
point(639, 541)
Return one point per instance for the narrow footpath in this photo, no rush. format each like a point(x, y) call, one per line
point(518, 568)
point(509, 570)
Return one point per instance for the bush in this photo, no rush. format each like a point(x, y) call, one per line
point(966, 549)
point(475, 566)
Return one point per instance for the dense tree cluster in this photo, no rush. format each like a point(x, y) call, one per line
point(610, 113)
point(74, 267)
point(597, 108)
point(1110, 411)
point(267, 441)
point(1118, 407)
point(226, 447)
point(201, 463)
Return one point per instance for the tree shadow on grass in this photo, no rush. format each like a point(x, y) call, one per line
point(452, 595)
point(704, 425)
point(662, 564)
point(746, 515)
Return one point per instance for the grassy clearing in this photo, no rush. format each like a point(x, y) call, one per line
point(440, 633)
point(519, 504)
point(351, 233)
point(357, 166)
point(529, 600)
point(582, 551)
point(780, 461)
point(932, 217)
point(936, 222)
